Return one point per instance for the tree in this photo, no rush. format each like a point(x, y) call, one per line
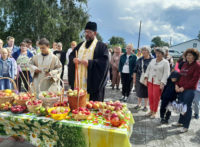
point(117, 41)
point(99, 37)
point(157, 42)
point(56, 20)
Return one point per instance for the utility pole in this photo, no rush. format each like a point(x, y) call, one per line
point(139, 35)
point(170, 41)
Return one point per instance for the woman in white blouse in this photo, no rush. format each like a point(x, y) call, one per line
point(155, 78)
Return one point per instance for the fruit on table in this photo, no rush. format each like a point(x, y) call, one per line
point(71, 92)
point(81, 113)
point(64, 104)
point(47, 94)
point(34, 102)
point(42, 111)
point(60, 110)
point(115, 120)
point(18, 109)
point(7, 93)
point(6, 106)
point(25, 96)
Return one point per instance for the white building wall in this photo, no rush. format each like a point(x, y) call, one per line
point(183, 46)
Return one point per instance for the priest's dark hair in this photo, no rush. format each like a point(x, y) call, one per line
point(91, 26)
point(44, 41)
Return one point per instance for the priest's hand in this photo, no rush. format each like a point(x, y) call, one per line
point(37, 71)
point(76, 61)
point(85, 62)
point(47, 74)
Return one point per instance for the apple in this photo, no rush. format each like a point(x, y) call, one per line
point(53, 111)
point(2, 105)
point(96, 106)
point(71, 94)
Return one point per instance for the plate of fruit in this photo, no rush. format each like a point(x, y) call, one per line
point(59, 113)
point(32, 104)
point(81, 114)
point(17, 109)
point(5, 106)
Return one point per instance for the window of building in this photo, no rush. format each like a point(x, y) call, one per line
point(194, 45)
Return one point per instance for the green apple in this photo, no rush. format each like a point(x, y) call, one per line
point(71, 94)
point(3, 105)
point(62, 110)
point(70, 90)
point(42, 109)
point(37, 108)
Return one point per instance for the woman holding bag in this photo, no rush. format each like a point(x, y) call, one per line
point(156, 78)
point(138, 77)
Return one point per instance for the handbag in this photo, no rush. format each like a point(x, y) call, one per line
point(142, 78)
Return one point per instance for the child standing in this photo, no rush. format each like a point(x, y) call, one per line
point(7, 69)
point(168, 95)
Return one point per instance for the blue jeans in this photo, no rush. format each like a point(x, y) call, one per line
point(186, 97)
point(196, 102)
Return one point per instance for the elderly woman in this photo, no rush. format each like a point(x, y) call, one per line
point(126, 65)
point(22, 57)
point(140, 68)
point(186, 86)
point(115, 64)
point(156, 78)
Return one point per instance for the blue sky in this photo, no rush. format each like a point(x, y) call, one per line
point(178, 19)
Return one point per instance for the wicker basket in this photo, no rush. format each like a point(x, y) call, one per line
point(31, 108)
point(48, 102)
point(7, 98)
point(73, 101)
point(21, 102)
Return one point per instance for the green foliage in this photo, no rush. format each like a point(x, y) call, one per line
point(117, 41)
point(157, 42)
point(56, 20)
point(99, 38)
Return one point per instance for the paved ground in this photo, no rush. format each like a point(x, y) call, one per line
point(147, 132)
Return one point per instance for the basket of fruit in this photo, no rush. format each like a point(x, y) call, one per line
point(5, 106)
point(49, 98)
point(17, 109)
point(59, 113)
point(33, 104)
point(81, 114)
point(8, 95)
point(23, 97)
point(76, 100)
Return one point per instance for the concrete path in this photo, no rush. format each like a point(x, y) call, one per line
point(147, 132)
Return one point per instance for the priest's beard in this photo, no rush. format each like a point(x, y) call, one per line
point(89, 41)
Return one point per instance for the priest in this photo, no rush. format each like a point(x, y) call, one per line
point(93, 64)
point(43, 65)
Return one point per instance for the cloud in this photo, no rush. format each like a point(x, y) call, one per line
point(178, 19)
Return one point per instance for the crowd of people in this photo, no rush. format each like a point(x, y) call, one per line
point(154, 75)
